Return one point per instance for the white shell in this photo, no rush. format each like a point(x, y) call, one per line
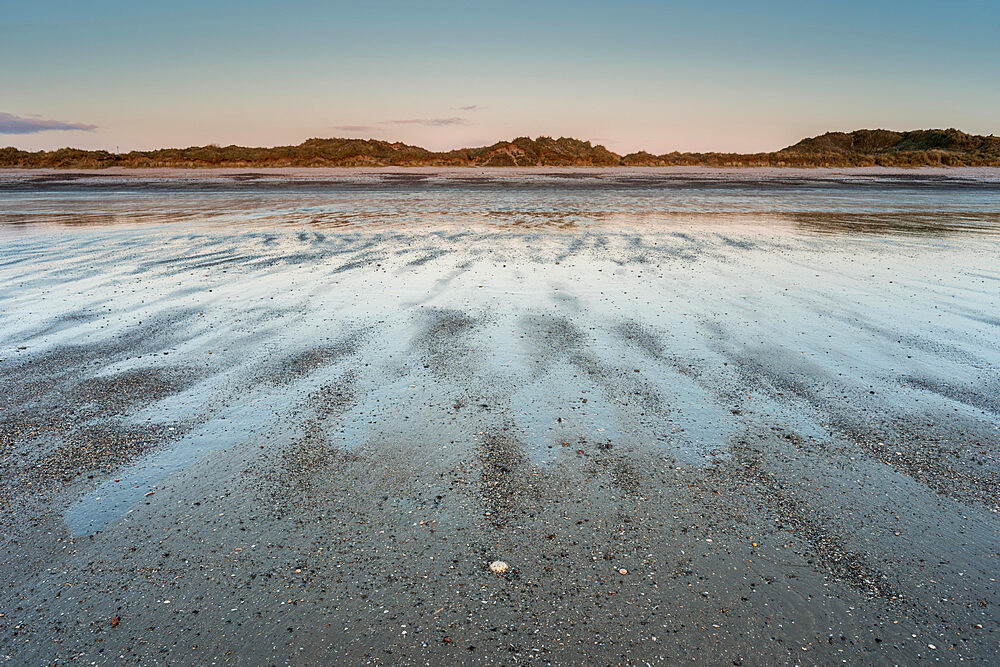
point(498, 567)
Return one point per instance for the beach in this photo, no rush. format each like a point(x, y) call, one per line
point(704, 416)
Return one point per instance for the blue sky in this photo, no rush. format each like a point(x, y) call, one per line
point(655, 75)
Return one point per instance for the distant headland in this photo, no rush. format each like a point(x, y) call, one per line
point(861, 148)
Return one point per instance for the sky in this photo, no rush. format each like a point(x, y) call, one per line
point(630, 74)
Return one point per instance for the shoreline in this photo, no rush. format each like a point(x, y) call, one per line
point(679, 170)
point(559, 177)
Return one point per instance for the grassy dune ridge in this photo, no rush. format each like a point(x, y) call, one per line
point(861, 148)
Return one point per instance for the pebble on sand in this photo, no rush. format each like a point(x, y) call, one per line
point(498, 567)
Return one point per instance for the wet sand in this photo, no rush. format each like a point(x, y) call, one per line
point(294, 424)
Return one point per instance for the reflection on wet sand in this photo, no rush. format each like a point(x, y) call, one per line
point(742, 434)
point(510, 200)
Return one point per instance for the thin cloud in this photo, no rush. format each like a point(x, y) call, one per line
point(354, 128)
point(429, 122)
point(471, 107)
point(11, 124)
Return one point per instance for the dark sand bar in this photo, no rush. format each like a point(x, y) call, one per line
point(704, 417)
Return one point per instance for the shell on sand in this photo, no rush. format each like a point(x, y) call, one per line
point(498, 567)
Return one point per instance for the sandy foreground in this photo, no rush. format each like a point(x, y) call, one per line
point(734, 439)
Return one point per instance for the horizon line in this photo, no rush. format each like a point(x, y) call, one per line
point(537, 138)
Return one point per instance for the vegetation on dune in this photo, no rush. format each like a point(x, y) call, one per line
point(861, 148)
point(918, 147)
point(543, 151)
